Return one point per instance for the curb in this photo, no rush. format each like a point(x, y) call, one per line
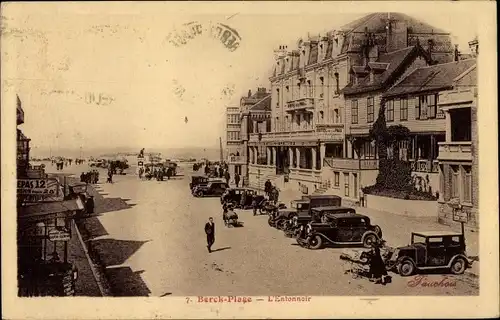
point(105, 292)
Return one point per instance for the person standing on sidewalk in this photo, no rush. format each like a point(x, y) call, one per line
point(227, 176)
point(210, 231)
point(361, 197)
point(237, 179)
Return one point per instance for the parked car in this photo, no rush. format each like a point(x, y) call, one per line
point(212, 188)
point(299, 222)
point(341, 229)
point(241, 197)
point(278, 218)
point(197, 180)
point(432, 250)
point(314, 201)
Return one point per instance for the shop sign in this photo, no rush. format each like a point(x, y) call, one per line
point(38, 187)
point(59, 235)
point(460, 215)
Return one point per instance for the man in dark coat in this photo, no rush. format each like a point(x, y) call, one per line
point(210, 231)
point(237, 179)
point(267, 187)
point(227, 176)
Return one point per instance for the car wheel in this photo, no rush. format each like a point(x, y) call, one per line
point(458, 266)
point(369, 240)
point(406, 268)
point(262, 211)
point(281, 224)
point(378, 231)
point(270, 222)
point(315, 242)
point(199, 193)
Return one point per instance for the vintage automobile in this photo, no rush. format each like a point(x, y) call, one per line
point(241, 197)
point(314, 201)
point(212, 188)
point(340, 229)
point(432, 250)
point(196, 180)
point(279, 217)
point(298, 223)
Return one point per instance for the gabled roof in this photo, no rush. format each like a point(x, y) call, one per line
point(432, 78)
point(394, 62)
point(263, 105)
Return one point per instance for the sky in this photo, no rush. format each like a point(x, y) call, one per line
point(61, 57)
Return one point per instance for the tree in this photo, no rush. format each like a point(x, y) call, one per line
point(379, 133)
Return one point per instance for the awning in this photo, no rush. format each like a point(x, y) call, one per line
point(49, 210)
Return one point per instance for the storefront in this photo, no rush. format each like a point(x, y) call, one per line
point(44, 230)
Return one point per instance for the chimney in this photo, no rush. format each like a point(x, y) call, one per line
point(249, 93)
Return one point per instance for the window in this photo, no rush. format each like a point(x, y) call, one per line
point(417, 108)
point(368, 150)
point(287, 123)
point(337, 86)
point(422, 106)
point(467, 184)
point(354, 111)
point(337, 179)
point(455, 192)
point(369, 110)
point(322, 83)
point(346, 184)
point(403, 115)
point(432, 105)
point(310, 89)
point(389, 116)
point(277, 97)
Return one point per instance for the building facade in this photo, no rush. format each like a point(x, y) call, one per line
point(458, 154)
point(252, 116)
point(308, 105)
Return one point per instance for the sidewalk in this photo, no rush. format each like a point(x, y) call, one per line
point(86, 284)
point(397, 228)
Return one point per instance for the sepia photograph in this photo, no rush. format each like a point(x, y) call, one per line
point(249, 159)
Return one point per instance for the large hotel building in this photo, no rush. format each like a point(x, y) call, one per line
point(311, 132)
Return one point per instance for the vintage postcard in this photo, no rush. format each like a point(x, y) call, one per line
point(249, 160)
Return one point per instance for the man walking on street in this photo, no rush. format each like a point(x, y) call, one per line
point(227, 176)
point(237, 179)
point(210, 231)
point(267, 188)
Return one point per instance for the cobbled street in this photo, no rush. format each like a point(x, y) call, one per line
point(150, 239)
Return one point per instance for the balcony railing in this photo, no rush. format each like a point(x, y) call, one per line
point(424, 165)
point(352, 164)
point(333, 131)
point(281, 136)
point(301, 104)
point(456, 150)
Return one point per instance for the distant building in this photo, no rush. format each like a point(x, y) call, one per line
point(252, 116)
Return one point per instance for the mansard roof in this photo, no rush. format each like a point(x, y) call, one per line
point(376, 22)
point(432, 78)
